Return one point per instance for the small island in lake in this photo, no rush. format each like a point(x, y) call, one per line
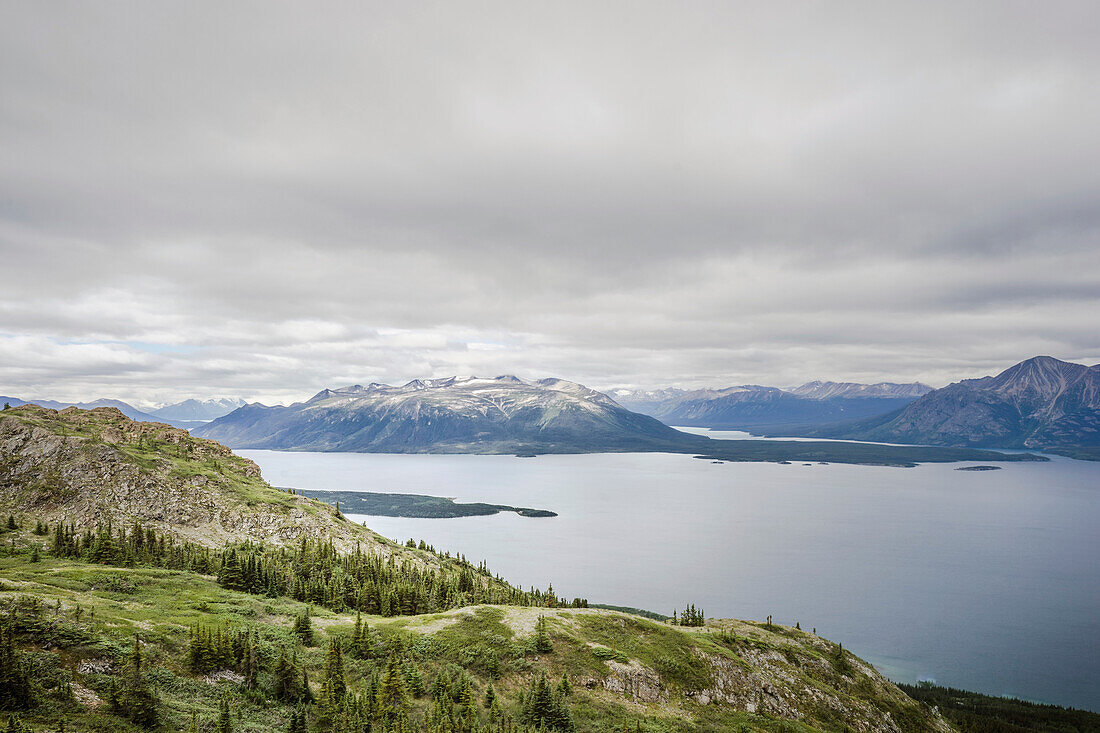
point(978, 468)
point(416, 506)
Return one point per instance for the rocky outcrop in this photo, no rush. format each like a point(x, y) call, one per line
point(96, 466)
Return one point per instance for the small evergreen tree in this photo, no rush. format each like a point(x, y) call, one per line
point(542, 637)
point(136, 700)
point(16, 692)
point(225, 719)
point(303, 628)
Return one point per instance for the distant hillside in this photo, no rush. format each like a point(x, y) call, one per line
point(769, 409)
point(198, 410)
point(1039, 403)
point(457, 415)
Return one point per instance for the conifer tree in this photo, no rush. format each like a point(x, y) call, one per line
point(286, 674)
point(564, 689)
point(392, 696)
point(334, 687)
point(225, 719)
point(542, 638)
point(297, 721)
point(135, 700)
point(303, 628)
point(16, 692)
point(490, 696)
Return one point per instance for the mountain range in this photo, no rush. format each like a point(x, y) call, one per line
point(187, 414)
point(510, 415)
point(125, 408)
point(767, 409)
point(199, 410)
point(1041, 403)
point(457, 415)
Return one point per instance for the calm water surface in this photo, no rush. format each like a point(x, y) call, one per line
point(983, 580)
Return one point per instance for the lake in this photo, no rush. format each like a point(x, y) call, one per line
point(988, 581)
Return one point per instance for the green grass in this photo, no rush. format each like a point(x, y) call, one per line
point(484, 643)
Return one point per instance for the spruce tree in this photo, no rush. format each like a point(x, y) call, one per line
point(334, 687)
point(286, 674)
point(392, 695)
point(136, 700)
point(16, 692)
point(542, 638)
point(225, 719)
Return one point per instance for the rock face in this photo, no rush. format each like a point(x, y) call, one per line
point(1038, 403)
point(94, 466)
point(770, 409)
point(457, 414)
point(764, 669)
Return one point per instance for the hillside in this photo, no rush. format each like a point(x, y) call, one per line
point(208, 571)
point(454, 415)
point(97, 466)
point(1040, 403)
point(769, 409)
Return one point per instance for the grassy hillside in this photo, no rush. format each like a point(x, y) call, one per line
point(75, 623)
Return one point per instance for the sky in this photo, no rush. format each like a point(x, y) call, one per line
point(266, 199)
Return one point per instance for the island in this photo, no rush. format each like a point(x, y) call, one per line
point(416, 506)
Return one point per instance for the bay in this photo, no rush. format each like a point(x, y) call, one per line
point(988, 581)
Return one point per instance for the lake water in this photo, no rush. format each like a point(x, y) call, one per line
point(988, 581)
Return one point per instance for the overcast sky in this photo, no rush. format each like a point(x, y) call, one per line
point(264, 199)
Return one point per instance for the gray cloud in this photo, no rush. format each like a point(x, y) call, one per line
point(265, 200)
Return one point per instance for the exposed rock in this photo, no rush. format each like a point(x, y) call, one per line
point(96, 466)
point(635, 681)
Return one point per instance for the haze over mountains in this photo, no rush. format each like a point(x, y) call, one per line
point(768, 408)
point(187, 414)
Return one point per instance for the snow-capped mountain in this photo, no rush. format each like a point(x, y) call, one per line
point(456, 414)
point(854, 390)
point(199, 410)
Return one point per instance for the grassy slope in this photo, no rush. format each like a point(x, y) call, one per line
point(161, 605)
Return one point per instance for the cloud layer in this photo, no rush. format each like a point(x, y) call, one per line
point(265, 200)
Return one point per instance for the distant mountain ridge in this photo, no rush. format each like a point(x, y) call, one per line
point(855, 390)
point(771, 408)
point(201, 410)
point(1042, 402)
point(124, 407)
point(504, 414)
